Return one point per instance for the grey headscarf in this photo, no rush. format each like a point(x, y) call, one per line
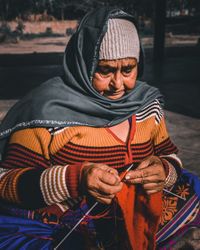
point(72, 101)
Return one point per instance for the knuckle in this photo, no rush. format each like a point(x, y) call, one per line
point(145, 181)
point(111, 191)
point(112, 196)
point(97, 170)
point(114, 171)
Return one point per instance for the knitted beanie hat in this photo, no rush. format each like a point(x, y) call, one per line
point(120, 40)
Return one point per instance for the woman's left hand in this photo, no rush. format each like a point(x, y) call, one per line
point(150, 173)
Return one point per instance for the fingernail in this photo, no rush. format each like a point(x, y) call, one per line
point(127, 177)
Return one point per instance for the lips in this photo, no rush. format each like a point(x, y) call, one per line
point(114, 94)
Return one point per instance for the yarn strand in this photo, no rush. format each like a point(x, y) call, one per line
point(87, 214)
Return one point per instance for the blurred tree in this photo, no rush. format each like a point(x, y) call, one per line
point(193, 7)
point(62, 9)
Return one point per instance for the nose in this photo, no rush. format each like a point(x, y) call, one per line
point(117, 80)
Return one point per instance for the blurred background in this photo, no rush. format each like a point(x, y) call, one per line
point(34, 34)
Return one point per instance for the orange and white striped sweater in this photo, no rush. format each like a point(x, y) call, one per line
point(46, 163)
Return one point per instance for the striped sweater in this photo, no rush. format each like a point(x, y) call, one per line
point(41, 168)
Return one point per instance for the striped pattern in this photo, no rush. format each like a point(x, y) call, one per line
point(8, 189)
point(20, 156)
point(53, 185)
point(166, 147)
point(63, 206)
point(180, 219)
point(152, 110)
point(56, 130)
point(142, 150)
point(71, 153)
point(50, 159)
point(3, 172)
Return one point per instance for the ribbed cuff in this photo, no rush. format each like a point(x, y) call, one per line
point(73, 179)
point(53, 185)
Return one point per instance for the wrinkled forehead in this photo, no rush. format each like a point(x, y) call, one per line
point(117, 62)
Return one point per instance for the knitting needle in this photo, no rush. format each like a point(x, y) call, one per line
point(96, 203)
point(67, 235)
point(167, 191)
point(89, 210)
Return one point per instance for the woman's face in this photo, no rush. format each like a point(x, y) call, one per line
point(115, 78)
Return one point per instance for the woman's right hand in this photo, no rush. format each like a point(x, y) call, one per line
point(100, 181)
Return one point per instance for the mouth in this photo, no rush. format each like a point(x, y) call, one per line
point(111, 94)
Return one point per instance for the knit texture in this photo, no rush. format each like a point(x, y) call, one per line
point(120, 41)
point(141, 215)
point(48, 161)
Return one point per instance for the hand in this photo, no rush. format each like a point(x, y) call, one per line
point(150, 173)
point(100, 181)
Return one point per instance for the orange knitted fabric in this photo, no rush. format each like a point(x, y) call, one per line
point(141, 215)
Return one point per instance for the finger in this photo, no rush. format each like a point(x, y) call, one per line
point(108, 169)
point(139, 174)
point(154, 172)
point(144, 164)
point(96, 194)
point(108, 189)
point(153, 186)
point(149, 161)
point(143, 180)
point(149, 192)
point(112, 171)
point(102, 173)
point(104, 200)
point(109, 178)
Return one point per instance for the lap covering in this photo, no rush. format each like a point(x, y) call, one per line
point(22, 234)
point(179, 215)
point(18, 233)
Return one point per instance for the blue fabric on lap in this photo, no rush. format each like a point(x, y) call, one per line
point(19, 233)
point(22, 234)
point(193, 180)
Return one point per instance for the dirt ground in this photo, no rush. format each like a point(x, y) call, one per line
point(37, 45)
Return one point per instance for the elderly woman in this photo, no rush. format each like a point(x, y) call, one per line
point(93, 148)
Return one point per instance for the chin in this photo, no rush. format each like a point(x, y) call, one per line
point(114, 97)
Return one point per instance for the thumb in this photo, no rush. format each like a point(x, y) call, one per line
point(147, 162)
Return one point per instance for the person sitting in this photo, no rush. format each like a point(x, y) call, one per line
point(88, 155)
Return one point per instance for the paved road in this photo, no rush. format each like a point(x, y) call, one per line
point(185, 133)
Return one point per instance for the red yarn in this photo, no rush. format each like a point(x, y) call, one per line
point(141, 215)
point(103, 214)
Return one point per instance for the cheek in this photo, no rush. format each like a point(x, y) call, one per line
point(130, 82)
point(99, 83)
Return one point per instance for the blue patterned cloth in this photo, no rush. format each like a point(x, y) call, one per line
point(179, 216)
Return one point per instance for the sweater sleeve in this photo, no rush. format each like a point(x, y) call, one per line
point(166, 150)
point(27, 177)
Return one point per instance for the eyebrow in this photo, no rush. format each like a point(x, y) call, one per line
point(128, 66)
point(112, 68)
point(107, 67)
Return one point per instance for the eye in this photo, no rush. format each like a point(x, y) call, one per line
point(104, 71)
point(127, 70)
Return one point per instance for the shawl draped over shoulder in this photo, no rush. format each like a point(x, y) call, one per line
point(72, 101)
